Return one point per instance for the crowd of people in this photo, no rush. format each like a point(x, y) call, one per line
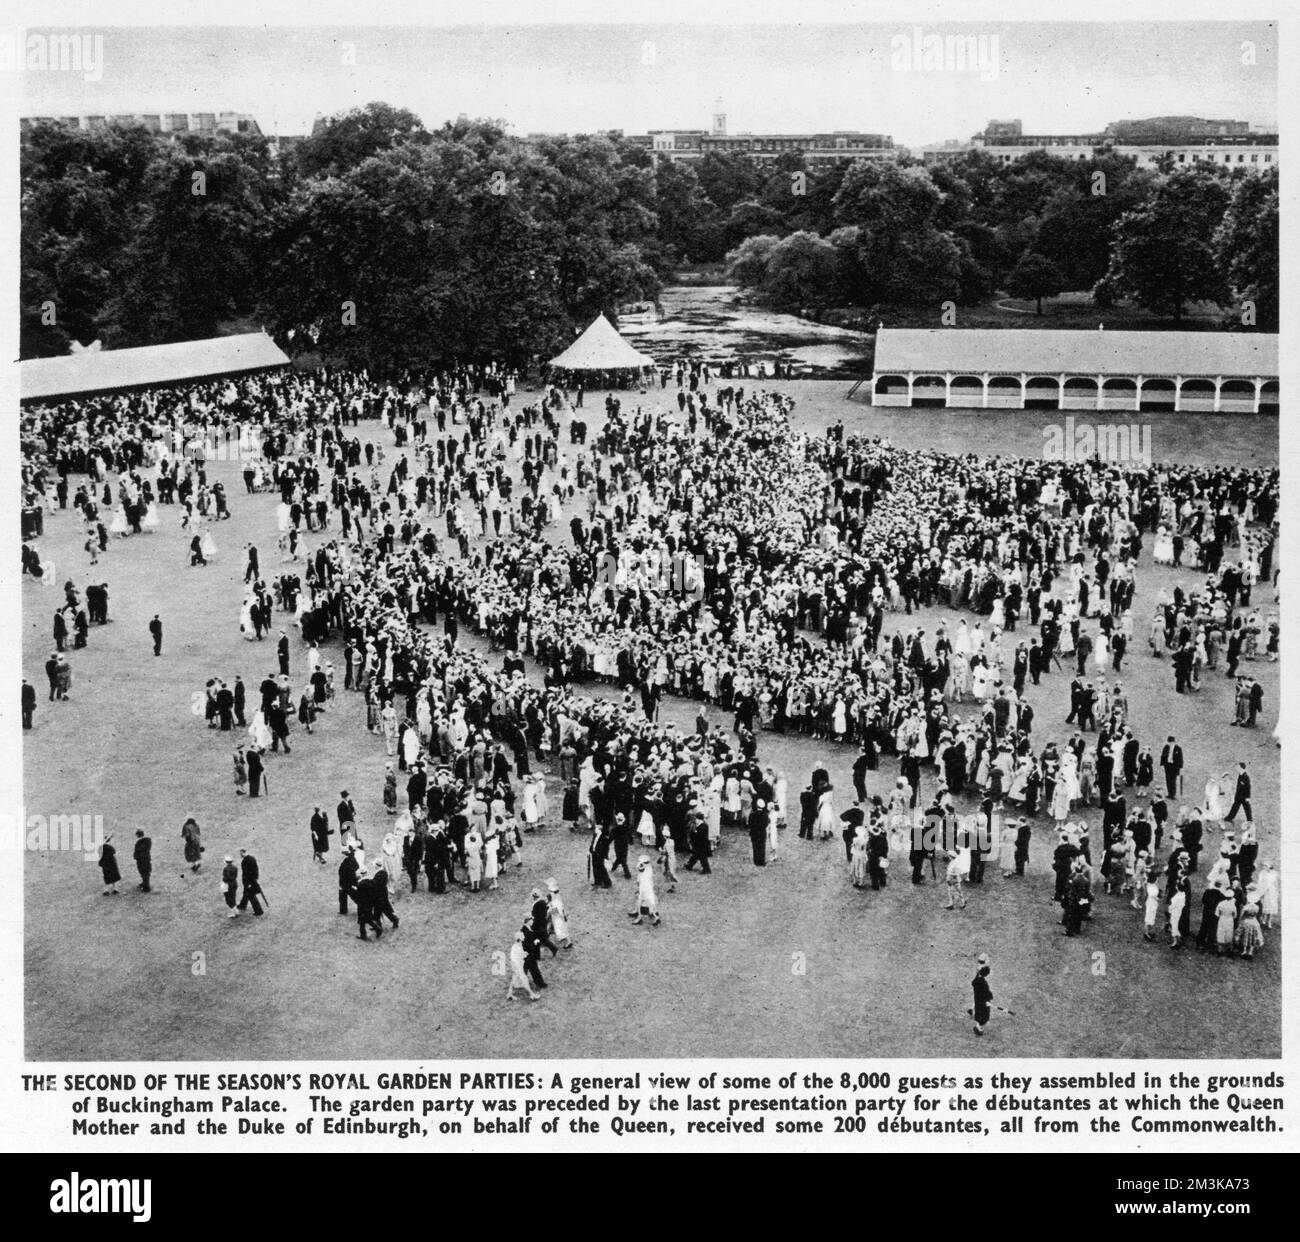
point(710, 552)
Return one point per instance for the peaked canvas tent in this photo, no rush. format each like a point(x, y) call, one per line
point(600, 348)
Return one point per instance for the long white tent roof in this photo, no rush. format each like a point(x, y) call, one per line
point(111, 369)
point(1075, 352)
point(600, 348)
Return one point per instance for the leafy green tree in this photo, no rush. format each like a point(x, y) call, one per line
point(1077, 222)
point(80, 192)
point(1164, 254)
point(747, 263)
point(681, 207)
point(198, 245)
point(727, 178)
point(801, 271)
point(339, 143)
point(1037, 277)
point(1246, 246)
point(899, 255)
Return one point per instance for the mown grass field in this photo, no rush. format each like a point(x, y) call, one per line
point(785, 961)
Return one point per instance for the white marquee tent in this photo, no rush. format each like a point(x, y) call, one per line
point(600, 348)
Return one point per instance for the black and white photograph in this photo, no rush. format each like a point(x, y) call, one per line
point(643, 539)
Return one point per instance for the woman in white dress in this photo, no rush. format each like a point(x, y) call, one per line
point(1101, 653)
point(713, 810)
point(118, 525)
point(559, 917)
point(410, 747)
point(149, 523)
point(391, 861)
point(492, 855)
point(529, 809)
point(246, 626)
point(457, 729)
point(539, 793)
point(731, 798)
point(259, 731)
point(1267, 894)
point(1215, 803)
point(586, 782)
point(1163, 551)
point(1061, 796)
point(961, 678)
point(826, 813)
point(208, 544)
point(839, 719)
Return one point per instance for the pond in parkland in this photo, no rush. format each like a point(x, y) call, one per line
point(714, 321)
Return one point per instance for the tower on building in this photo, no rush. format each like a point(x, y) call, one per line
point(719, 119)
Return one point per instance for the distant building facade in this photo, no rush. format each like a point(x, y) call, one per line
point(158, 122)
point(1179, 141)
point(839, 146)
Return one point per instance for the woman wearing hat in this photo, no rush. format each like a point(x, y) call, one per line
point(108, 865)
point(1225, 931)
point(193, 845)
point(1249, 935)
point(517, 977)
point(229, 883)
point(559, 918)
point(647, 902)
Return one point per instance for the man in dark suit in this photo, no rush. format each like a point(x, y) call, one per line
point(417, 785)
point(155, 629)
point(1256, 701)
point(248, 873)
point(347, 879)
point(1076, 699)
point(320, 834)
point(1171, 760)
point(255, 772)
point(807, 809)
point(52, 672)
point(860, 766)
point(1241, 800)
point(278, 721)
point(225, 707)
point(622, 840)
point(539, 921)
point(346, 812)
point(29, 703)
point(363, 893)
point(143, 858)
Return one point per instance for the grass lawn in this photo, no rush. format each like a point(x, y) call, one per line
point(784, 961)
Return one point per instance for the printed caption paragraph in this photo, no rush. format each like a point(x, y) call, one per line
point(448, 1106)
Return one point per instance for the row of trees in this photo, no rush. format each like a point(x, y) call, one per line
point(378, 241)
point(907, 236)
